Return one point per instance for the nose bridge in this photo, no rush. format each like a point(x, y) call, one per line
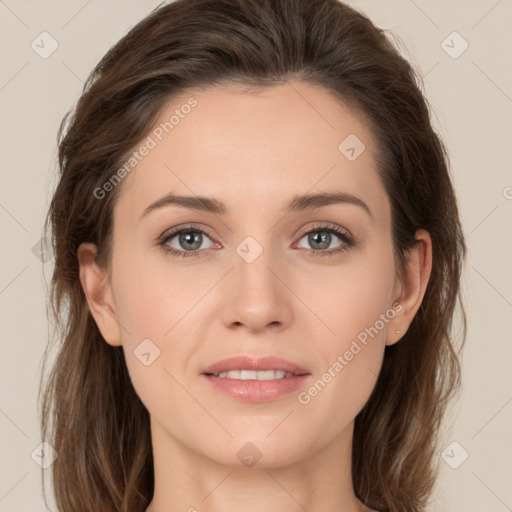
point(254, 259)
point(258, 297)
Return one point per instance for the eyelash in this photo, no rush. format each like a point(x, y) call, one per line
point(347, 240)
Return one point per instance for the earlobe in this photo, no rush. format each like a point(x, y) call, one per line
point(97, 289)
point(412, 285)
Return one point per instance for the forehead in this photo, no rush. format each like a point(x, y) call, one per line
point(254, 148)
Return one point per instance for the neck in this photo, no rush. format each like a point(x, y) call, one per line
point(186, 480)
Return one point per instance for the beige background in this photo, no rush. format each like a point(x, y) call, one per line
point(471, 98)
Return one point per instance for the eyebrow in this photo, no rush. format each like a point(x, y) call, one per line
point(298, 203)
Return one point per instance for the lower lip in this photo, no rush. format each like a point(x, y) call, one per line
point(257, 390)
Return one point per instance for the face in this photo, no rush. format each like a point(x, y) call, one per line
point(267, 275)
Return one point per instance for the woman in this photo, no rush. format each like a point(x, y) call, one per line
point(258, 253)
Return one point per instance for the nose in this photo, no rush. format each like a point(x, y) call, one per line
point(257, 296)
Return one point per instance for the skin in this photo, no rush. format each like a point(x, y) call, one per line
point(254, 152)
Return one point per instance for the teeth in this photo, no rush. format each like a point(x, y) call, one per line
point(254, 375)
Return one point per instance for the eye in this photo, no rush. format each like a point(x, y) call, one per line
point(188, 241)
point(321, 237)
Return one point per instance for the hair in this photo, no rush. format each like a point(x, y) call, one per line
point(91, 413)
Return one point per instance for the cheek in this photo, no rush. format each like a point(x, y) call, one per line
point(334, 399)
point(350, 297)
point(152, 308)
point(356, 305)
point(351, 364)
point(150, 301)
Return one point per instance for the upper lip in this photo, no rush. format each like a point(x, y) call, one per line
point(255, 364)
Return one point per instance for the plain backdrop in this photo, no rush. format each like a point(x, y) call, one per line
point(462, 50)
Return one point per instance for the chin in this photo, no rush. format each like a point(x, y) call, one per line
point(260, 451)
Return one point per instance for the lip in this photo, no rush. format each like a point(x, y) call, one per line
point(256, 390)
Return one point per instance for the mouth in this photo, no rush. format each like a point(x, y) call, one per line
point(255, 380)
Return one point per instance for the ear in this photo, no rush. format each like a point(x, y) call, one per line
point(410, 289)
point(98, 292)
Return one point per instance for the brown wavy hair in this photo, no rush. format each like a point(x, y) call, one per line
point(91, 413)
